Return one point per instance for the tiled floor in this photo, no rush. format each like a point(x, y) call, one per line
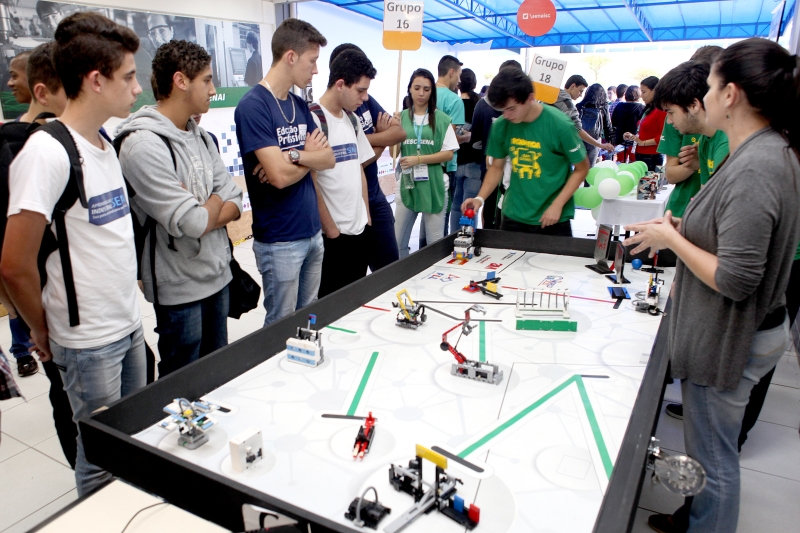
point(36, 481)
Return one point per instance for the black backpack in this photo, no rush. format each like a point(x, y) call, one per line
point(13, 136)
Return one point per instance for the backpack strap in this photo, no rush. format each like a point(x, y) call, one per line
point(323, 122)
point(354, 121)
point(73, 192)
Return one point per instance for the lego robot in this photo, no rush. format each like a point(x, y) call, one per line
point(192, 421)
point(364, 438)
point(466, 368)
point(486, 286)
point(651, 296)
point(440, 496)
point(411, 315)
point(305, 348)
point(464, 245)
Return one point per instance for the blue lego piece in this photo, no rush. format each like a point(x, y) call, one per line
point(466, 221)
point(458, 503)
point(491, 275)
point(312, 319)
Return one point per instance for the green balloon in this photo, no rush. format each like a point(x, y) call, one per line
point(590, 177)
point(578, 196)
point(591, 197)
point(642, 166)
point(604, 174)
point(626, 182)
point(633, 168)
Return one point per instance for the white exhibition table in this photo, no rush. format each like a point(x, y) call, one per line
point(628, 210)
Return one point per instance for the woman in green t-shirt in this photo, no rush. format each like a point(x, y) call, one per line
point(430, 141)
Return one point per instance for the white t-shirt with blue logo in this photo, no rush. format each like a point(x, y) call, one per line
point(101, 244)
point(341, 186)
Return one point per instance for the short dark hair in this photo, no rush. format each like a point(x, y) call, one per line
point(446, 63)
point(22, 56)
point(42, 70)
point(87, 41)
point(577, 80)
point(509, 83)
point(176, 56)
point(510, 63)
point(683, 85)
point(44, 9)
point(633, 93)
point(621, 90)
point(707, 54)
point(252, 39)
point(341, 48)
point(351, 66)
point(612, 88)
point(295, 35)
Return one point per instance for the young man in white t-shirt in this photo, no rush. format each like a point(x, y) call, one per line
point(342, 194)
point(102, 357)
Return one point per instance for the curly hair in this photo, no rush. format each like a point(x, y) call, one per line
point(176, 56)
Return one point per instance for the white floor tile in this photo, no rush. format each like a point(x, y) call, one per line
point(5, 333)
point(772, 449)
point(52, 448)
point(31, 422)
point(149, 326)
point(145, 307)
point(37, 517)
point(670, 431)
point(9, 447)
point(782, 406)
point(30, 386)
point(672, 394)
point(244, 326)
point(244, 256)
point(35, 481)
point(768, 503)
point(787, 372)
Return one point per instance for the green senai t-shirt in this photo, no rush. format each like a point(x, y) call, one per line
point(712, 152)
point(453, 106)
point(542, 153)
point(670, 144)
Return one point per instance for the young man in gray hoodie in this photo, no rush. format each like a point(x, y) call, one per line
point(181, 182)
point(573, 90)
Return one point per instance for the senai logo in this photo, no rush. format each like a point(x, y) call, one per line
point(219, 97)
point(536, 17)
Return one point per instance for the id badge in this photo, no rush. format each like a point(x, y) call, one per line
point(420, 172)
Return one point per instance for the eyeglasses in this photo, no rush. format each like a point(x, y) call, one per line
point(161, 31)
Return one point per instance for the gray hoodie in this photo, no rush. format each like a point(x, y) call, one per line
point(199, 265)
point(567, 105)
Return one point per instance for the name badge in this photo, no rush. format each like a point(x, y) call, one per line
point(420, 172)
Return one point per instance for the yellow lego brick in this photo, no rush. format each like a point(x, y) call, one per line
point(437, 459)
point(492, 287)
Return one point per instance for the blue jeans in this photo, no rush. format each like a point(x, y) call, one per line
point(404, 220)
point(96, 377)
point(21, 342)
point(467, 185)
point(187, 332)
point(712, 420)
point(291, 272)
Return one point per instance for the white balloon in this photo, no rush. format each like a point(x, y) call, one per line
point(608, 164)
point(609, 189)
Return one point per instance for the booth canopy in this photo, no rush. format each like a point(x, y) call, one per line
point(590, 21)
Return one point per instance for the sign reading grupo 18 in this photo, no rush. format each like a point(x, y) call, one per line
point(547, 74)
point(402, 24)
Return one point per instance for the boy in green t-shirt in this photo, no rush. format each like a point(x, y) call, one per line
point(543, 146)
point(686, 180)
point(680, 93)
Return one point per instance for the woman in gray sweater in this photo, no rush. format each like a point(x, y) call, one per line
point(736, 244)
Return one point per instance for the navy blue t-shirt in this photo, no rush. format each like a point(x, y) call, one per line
point(482, 119)
point(279, 215)
point(367, 114)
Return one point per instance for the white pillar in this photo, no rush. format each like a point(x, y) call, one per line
point(794, 38)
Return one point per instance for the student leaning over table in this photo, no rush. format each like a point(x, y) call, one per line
point(728, 323)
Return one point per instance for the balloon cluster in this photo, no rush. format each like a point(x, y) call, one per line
point(609, 180)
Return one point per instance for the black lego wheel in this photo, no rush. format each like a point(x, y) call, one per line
point(477, 252)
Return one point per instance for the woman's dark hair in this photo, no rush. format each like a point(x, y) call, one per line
point(424, 73)
point(650, 82)
point(595, 95)
point(632, 94)
point(768, 75)
point(468, 83)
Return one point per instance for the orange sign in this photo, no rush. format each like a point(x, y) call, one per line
point(536, 17)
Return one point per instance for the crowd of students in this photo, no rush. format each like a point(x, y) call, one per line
point(320, 220)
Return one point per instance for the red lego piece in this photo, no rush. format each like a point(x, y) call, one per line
point(474, 513)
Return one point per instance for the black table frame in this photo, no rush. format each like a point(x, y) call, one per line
point(107, 434)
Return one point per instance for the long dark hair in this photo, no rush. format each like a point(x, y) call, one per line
point(768, 75)
point(468, 83)
point(595, 95)
point(632, 93)
point(424, 73)
point(650, 82)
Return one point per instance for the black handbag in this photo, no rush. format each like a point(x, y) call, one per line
point(243, 291)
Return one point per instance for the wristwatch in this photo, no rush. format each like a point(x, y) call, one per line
point(294, 155)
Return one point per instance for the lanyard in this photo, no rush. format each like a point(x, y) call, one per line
point(418, 131)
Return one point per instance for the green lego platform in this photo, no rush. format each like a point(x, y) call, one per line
point(547, 325)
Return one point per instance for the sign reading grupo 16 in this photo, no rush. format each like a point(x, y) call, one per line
point(402, 24)
point(547, 74)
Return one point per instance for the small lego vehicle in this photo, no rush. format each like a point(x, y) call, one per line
point(411, 315)
point(486, 286)
point(364, 438)
point(467, 368)
point(653, 294)
point(305, 348)
point(463, 246)
point(192, 421)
